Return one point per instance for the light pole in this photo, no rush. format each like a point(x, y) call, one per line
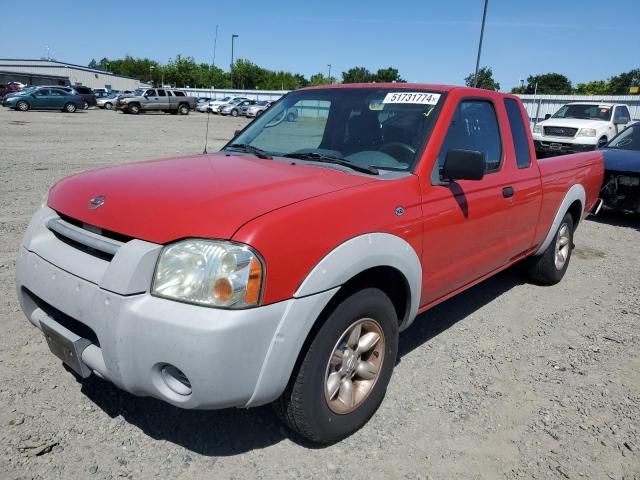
point(330, 81)
point(233, 37)
point(151, 67)
point(484, 16)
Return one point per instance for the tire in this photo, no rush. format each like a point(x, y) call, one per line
point(69, 107)
point(292, 117)
point(258, 113)
point(183, 109)
point(234, 113)
point(307, 406)
point(108, 106)
point(85, 105)
point(23, 106)
point(134, 108)
point(547, 269)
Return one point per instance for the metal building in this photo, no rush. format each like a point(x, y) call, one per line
point(76, 74)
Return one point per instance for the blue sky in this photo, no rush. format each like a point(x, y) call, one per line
point(428, 41)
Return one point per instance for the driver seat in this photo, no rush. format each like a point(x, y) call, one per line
point(364, 132)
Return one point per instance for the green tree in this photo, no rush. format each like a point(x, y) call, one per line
point(620, 84)
point(549, 84)
point(389, 75)
point(485, 80)
point(320, 79)
point(596, 87)
point(93, 63)
point(357, 75)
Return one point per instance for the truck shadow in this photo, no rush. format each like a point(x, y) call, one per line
point(234, 431)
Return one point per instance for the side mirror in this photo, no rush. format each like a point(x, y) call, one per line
point(602, 143)
point(236, 133)
point(463, 165)
point(547, 116)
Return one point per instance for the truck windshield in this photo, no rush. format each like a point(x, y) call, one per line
point(629, 139)
point(368, 127)
point(585, 112)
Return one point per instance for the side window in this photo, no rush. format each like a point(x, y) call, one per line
point(519, 133)
point(161, 93)
point(169, 93)
point(43, 92)
point(622, 115)
point(57, 93)
point(474, 127)
point(150, 93)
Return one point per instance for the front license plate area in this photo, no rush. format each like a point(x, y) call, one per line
point(555, 146)
point(66, 345)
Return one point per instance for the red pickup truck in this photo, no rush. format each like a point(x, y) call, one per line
point(282, 268)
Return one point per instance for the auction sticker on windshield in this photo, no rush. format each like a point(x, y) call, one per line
point(420, 98)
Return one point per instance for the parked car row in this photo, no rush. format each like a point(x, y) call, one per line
point(234, 106)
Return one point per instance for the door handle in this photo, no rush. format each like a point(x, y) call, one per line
point(507, 192)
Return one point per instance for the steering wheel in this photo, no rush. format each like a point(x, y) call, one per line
point(400, 151)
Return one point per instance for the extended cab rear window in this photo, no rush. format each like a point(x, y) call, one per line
point(178, 94)
point(519, 133)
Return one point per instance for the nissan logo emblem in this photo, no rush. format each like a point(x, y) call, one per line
point(96, 202)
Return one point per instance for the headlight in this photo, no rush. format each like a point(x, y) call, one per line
point(537, 129)
point(209, 272)
point(587, 132)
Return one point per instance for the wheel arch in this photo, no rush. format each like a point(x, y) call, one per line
point(573, 202)
point(378, 260)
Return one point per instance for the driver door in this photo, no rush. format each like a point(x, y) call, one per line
point(466, 222)
point(152, 100)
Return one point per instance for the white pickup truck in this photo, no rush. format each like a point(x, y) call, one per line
point(579, 127)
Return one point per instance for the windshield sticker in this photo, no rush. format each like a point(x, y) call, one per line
point(418, 98)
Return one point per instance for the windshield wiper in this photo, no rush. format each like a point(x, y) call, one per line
point(244, 147)
point(322, 158)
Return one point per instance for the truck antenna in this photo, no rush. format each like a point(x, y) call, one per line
point(213, 65)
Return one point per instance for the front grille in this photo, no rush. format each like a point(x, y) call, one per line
point(63, 319)
point(560, 131)
point(94, 241)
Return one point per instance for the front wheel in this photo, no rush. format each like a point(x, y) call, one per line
point(234, 113)
point(550, 267)
point(134, 108)
point(22, 106)
point(108, 106)
point(70, 107)
point(343, 375)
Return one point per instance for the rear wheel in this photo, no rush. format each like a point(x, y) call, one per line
point(85, 105)
point(108, 106)
point(258, 113)
point(183, 109)
point(343, 376)
point(234, 112)
point(550, 267)
point(22, 106)
point(70, 107)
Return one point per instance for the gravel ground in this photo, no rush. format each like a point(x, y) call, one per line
point(507, 380)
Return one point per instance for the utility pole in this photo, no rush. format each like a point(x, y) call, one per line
point(233, 37)
point(48, 55)
point(330, 81)
point(150, 77)
point(484, 16)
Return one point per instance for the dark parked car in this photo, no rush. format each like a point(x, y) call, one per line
point(621, 187)
point(86, 94)
point(44, 98)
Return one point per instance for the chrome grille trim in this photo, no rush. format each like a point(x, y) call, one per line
point(84, 237)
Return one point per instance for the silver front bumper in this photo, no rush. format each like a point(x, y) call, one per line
point(230, 357)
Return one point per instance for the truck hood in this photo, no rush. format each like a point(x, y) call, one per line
point(619, 160)
point(207, 196)
point(573, 122)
